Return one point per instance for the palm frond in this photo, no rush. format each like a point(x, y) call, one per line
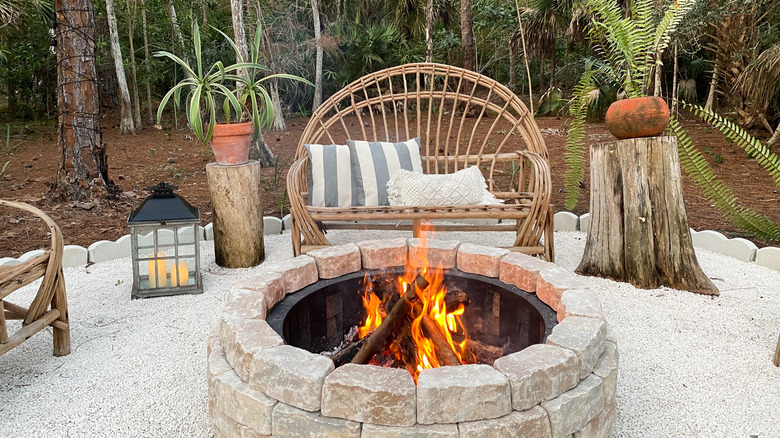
point(724, 199)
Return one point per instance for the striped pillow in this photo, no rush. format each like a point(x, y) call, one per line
point(330, 175)
point(373, 163)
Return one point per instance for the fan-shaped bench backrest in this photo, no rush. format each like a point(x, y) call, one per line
point(461, 117)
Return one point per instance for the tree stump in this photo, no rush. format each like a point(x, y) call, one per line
point(238, 214)
point(638, 229)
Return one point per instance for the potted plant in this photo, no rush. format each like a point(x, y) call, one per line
point(237, 89)
point(628, 44)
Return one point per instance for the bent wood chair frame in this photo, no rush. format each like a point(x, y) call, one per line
point(462, 118)
point(50, 293)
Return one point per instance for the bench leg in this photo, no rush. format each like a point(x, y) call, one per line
point(296, 237)
point(61, 330)
point(549, 230)
point(777, 353)
point(3, 329)
point(417, 228)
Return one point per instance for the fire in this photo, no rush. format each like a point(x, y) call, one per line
point(429, 317)
point(373, 306)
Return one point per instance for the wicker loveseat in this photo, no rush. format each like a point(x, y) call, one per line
point(462, 119)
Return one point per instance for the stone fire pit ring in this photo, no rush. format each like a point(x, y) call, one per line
point(260, 387)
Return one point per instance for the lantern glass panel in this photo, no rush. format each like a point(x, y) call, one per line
point(166, 259)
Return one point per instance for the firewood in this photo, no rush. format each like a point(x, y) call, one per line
point(484, 353)
point(444, 352)
point(455, 297)
point(347, 353)
point(381, 337)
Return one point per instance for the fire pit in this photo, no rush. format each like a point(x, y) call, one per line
point(268, 378)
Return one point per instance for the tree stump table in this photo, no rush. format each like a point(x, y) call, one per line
point(638, 230)
point(238, 214)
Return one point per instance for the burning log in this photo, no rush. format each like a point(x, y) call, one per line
point(381, 337)
point(444, 352)
point(455, 297)
point(484, 353)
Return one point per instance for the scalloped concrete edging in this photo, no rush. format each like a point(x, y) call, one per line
point(259, 387)
point(738, 248)
point(105, 250)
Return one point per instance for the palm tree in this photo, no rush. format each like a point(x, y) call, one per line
point(545, 20)
point(760, 82)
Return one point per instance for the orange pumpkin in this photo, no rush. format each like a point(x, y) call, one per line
point(637, 117)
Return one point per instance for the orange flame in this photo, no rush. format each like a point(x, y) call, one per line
point(373, 306)
point(431, 303)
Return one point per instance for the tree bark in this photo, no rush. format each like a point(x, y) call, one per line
point(659, 71)
point(238, 214)
point(713, 89)
point(467, 34)
point(133, 73)
point(150, 110)
point(525, 58)
point(638, 226)
point(675, 81)
point(429, 31)
point(317, 101)
point(126, 125)
point(83, 165)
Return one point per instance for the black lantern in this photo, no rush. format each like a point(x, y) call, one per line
point(165, 245)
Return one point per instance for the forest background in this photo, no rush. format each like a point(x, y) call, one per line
point(725, 56)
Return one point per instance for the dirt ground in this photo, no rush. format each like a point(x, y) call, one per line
point(140, 161)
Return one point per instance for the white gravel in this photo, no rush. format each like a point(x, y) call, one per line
point(690, 365)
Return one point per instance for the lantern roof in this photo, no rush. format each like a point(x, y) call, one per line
point(163, 206)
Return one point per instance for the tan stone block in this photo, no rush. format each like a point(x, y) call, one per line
point(297, 272)
point(335, 261)
point(522, 270)
point(607, 369)
point(243, 404)
point(481, 260)
point(290, 375)
point(292, 422)
point(270, 284)
point(529, 423)
point(553, 281)
point(224, 426)
point(539, 373)
point(579, 302)
point(462, 393)
point(242, 338)
point(216, 364)
point(434, 252)
point(600, 426)
point(573, 409)
point(584, 336)
point(370, 394)
point(416, 431)
point(244, 303)
point(383, 254)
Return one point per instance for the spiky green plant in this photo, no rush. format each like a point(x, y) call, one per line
point(628, 45)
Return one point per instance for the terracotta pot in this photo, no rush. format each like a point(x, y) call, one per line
point(637, 117)
point(230, 142)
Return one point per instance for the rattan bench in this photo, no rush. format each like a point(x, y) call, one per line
point(462, 118)
point(51, 292)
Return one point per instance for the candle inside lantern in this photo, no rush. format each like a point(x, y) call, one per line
point(180, 274)
point(157, 279)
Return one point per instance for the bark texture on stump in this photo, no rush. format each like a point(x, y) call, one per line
point(638, 229)
point(238, 214)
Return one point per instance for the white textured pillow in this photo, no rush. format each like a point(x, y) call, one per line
point(464, 187)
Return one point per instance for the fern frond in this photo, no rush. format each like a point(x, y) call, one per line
point(574, 158)
point(765, 157)
point(724, 199)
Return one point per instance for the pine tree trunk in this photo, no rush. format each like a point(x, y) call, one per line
point(148, 67)
point(709, 106)
point(126, 125)
point(82, 171)
point(273, 90)
point(429, 31)
point(512, 64)
point(133, 73)
point(525, 58)
point(315, 9)
point(467, 34)
point(552, 67)
point(638, 229)
point(205, 12)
